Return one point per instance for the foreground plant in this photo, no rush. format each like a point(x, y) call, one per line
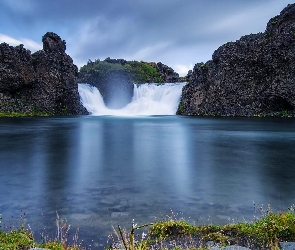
point(127, 239)
point(22, 239)
point(17, 239)
point(265, 233)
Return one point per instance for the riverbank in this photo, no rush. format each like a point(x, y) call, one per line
point(264, 233)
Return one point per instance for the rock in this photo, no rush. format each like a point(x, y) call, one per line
point(115, 86)
point(43, 82)
point(167, 73)
point(252, 76)
point(53, 43)
point(118, 89)
point(16, 68)
point(287, 245)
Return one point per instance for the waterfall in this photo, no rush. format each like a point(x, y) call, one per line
point(148, 99)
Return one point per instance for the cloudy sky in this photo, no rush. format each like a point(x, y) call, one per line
point(178, 33)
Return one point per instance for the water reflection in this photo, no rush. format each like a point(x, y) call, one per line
point(101, 171)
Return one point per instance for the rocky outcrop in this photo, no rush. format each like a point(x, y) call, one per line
point(167, 73)
point(41, 83)
point(114, 85)
point(252, 76)
point(115, 61)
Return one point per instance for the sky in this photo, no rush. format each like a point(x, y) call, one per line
point(178, 33)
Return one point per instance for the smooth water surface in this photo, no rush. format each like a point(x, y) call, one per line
point(102, 171)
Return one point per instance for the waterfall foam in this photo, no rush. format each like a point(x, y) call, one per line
point(148, 99)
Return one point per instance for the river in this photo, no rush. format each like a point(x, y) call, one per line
point(101, 171)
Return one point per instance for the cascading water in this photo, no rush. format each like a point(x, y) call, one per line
point(148, 99)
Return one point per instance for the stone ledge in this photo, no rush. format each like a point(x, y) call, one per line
point(287, 245)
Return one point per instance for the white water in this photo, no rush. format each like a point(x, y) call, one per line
point(148, 99)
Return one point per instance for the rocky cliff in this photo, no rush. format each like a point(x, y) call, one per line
point(43, 83)
point(252, 76)
point(167, 73)
point(112, 80)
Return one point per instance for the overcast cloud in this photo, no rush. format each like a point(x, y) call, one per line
point(178, 33)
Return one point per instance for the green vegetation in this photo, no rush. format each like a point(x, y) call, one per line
point(172, 228)
point(180, 108)
point(24, 114)
point(274, 20)
point(263, 233)
point(17, 240)
point(203, 66)
point(23, 240)
point(182, 79)
point(101, 67)
point(140, 72)
point(282, 114)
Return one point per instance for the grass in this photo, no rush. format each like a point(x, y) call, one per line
point(23, 114)
point(263, 233)
point(21, 239)
point(18, 240)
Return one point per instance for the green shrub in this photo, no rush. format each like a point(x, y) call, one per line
point(267, 232)
point(16, 240)
point(172, 228)
point(141, 72)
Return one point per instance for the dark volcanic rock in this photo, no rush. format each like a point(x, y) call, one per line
point(115, 86)
point(53, 43)
point(167, 73)
point(43, 82)
point(252, 76)
point(16, 68)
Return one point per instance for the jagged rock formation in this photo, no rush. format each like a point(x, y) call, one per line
point(252, 76)
point(41, 83)
point(167, 73)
